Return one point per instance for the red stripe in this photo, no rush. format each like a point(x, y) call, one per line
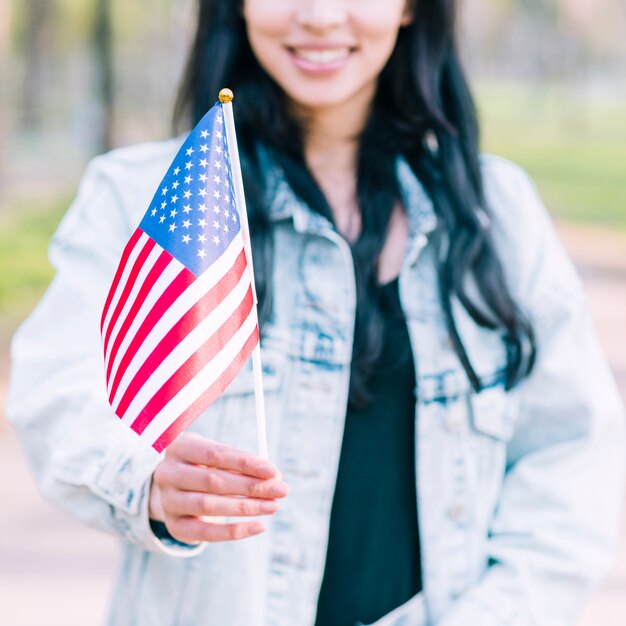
point(184, 279)
point(153, 275)
point(209, 396)
point(130, 283)
point(199, 311)
point(120, 269)
point(194, 364)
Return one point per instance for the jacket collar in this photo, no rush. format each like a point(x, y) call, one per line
point(284, 204)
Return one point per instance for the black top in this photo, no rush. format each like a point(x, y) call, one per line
point(373, 557)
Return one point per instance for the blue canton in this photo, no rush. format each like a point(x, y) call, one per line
point(193, 214)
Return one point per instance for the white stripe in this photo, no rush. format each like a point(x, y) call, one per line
point(187, 347)
point(198, 288)
point(132, 257)
point(148, 264)
point(171, 271)
point(201, 382)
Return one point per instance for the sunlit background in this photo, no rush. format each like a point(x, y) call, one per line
point(78, 77)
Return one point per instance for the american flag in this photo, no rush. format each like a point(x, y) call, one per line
point(180, 320)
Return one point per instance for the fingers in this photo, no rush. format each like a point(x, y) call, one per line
point(193, 530)
point(180, 476)
point(197, 450)
point(187, 503)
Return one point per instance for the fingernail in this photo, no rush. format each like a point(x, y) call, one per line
point(279, 488)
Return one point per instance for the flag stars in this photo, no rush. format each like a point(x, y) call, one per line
point(177, 171)
point(164, 191)
point(216, 209)
point(175, 185)
point(225, 227)
point(204, 148)
point(188, 179)
point(201, 253)
point(163, 204)
point(217, 195)
point(202, 223)
point(202, 208)
point(186, 209)
point(216, 224)
point(202, 238)
point(173, 213)
point(217, 180)
point(161, 219)
point(218, 149)
point(226, 213)
point(186, 239)
point(187, 194)
point(172, 227)
point(188, 165)
point(216, 240)
point(204, 134)
point(203, 178)
point(204, 162)
point(153, 212)
point(218, 165)
point(186, 223)
point(174, 199)
point(190, 151)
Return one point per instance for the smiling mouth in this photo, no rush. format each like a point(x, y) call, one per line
point(326, 56)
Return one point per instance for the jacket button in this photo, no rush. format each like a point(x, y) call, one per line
point(456, 512)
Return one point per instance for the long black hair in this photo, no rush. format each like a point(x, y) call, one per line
point(427, 114)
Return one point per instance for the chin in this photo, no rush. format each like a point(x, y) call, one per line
point(320, 96)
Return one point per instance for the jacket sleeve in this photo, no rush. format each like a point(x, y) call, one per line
point(554, 534)
point(84, 460)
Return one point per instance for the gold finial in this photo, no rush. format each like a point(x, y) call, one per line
point(226, 95)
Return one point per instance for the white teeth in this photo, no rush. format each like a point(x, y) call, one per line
point(322, 56)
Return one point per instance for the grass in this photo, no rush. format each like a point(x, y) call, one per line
point(575, 151)
point(25, 231)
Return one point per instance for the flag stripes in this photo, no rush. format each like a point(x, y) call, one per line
point(201, 321)
point(195, 364)
point(172, 339)
point(136, 260)
point(210, 394)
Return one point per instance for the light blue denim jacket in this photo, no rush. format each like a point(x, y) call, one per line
point(518, 493)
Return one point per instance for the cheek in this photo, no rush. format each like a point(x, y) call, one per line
point(378, 28)
point(264, 18)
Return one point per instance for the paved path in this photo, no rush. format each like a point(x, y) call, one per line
point(55, 572)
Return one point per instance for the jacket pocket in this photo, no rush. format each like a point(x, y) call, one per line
point(493, 412)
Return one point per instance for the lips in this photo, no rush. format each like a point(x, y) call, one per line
point(320, 59)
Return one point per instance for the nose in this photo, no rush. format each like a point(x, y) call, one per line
point(321, 14)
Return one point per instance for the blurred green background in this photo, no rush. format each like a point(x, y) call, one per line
point(81, 77)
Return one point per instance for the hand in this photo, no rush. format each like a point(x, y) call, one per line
point(200, 481)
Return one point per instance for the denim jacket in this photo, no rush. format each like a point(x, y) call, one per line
point(518, 492)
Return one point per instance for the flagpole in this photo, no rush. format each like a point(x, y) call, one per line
point(226, 98)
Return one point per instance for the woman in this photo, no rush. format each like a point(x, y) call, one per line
point(437, 403)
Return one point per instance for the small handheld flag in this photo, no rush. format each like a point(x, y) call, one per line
point(180, 318)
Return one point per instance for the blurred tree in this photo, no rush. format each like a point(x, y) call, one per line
point(35, 41)
point(103, 46)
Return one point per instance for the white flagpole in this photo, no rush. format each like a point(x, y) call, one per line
point(226, 97)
